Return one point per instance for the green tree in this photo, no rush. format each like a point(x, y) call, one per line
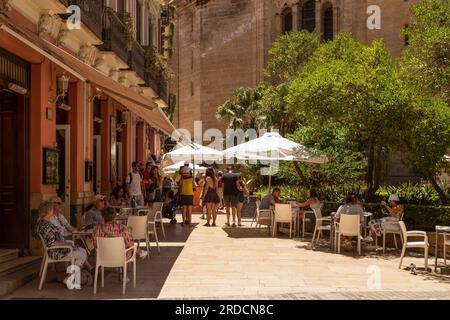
point(289, 53)
point(355, 87)
point(243, 111)
point(425, 71)
point(426, 61)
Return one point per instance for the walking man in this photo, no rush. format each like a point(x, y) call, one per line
point(231, 186)
point(134, 184)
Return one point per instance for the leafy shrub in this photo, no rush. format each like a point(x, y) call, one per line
point(420, 194)
point(416, 216)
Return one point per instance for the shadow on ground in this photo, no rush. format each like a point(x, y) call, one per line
point(152, 273)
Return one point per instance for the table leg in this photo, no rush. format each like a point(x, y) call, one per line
point(436, 252)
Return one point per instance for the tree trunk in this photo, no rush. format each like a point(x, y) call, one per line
point(300, 173)
point(370, 173)
point(442, 196)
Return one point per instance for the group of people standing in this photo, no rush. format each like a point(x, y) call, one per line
point(219, 190)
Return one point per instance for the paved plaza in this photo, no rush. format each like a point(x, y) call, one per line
point(245, 263)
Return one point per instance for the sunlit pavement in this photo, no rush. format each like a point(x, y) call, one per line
point(245, 263)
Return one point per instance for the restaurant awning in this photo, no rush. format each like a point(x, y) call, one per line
point(130, 99)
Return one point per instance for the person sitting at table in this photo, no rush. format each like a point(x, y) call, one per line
point(351, 206)
point(270, 200)
point(111, 228)
point(395, 212)
point(59, 220)
point(312, 201)
point(51, 236)
point(118, 197)
point(93, 214)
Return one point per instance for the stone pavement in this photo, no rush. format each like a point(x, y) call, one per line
point(245, 263)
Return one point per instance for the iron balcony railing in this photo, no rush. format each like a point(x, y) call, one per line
point(137, 59)
point(91, 13)
point(114, 35)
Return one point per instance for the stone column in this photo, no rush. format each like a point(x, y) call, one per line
point(295, 17)
point(140, 142)
point(319, 26)
point(79, 199)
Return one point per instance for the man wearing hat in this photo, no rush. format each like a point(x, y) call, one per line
point(94, 214)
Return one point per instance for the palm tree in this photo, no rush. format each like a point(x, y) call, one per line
point(242, 112)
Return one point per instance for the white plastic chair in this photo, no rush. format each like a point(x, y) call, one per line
point(349, 225)
point(151, 226)
point(158, 207)
point(111, 253)
point(46, 260)
point(414, 244)
point(392, 227)
point(306, 219)
point(263, 217)
point(283, 214)
point(138, 229)
point(321, 227)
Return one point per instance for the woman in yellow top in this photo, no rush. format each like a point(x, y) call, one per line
point(187, 188)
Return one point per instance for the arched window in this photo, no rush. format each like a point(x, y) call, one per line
point(309, 15)
point(286, 20)
point(327, 22)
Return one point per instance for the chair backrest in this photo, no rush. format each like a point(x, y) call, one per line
point(138, 226)
point(44, 246)
point(158, 206)
point(143, 212)
point(151, 216)
point(349, 224)
point(283, 212)
point(111, 252)
point(403, 229)
point(318, 215)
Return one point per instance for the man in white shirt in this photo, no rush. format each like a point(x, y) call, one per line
point(59, 220)
point(134, 184)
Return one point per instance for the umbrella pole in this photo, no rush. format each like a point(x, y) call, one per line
point(270, 176)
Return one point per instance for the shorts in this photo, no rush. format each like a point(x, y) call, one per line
point(186, 200)
point(231, 200)
point(241, 197)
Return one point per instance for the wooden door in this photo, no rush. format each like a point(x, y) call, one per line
point(14, 216)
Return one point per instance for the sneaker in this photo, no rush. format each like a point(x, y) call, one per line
point(233, 225)
point(214, 224)
point(144, 254)
point(368, 239)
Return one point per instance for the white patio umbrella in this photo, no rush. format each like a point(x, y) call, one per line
point(175, 167)
point(194, 153)
point(272, 147)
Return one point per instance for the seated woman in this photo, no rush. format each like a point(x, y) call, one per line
point(118, 197)
point(53, 237)
point(312, 201)
point(351, 206)
point(395, 212)
point(111, 228)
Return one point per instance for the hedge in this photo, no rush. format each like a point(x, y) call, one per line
point(416, 216)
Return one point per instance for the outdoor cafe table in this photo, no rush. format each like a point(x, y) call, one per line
point(439, 230)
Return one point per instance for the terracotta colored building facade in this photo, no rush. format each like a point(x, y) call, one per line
point(77, 105)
